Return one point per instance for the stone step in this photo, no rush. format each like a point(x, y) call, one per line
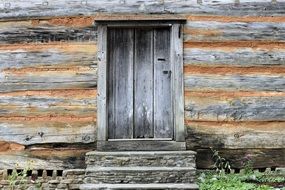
point(190, 186)
point(141, 158)
point(140, 175)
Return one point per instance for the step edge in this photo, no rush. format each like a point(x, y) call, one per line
point(143, 186)
point(143, 168)
point(188, 152)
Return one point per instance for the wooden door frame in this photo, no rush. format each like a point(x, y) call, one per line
point(177, 87)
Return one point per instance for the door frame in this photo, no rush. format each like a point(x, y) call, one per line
point(177, 88)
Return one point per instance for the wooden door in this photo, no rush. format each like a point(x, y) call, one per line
point(139, 100)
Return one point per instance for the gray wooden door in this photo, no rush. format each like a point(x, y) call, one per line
point(139, 84)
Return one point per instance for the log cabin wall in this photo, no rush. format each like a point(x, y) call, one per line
point(234, 74)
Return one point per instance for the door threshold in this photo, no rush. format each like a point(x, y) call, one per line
point(140, 145)
point(143, 139)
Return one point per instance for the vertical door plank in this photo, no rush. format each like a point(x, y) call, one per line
point(163, 115)
point(177, 81)
point(143, 84)
point(102, 80)
point(120, 83)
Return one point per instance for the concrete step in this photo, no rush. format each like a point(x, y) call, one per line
point(140, 175)
point(190, 186)
point(141, 158)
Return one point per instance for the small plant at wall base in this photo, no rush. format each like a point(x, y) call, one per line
point(19, 178)
point(221, 164)
point(223, 179)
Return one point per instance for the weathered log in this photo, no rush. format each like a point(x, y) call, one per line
point(42, 103)
point(245, 57)
point(48, 66)
point(234, 82)
point(261, 158)
point(221, 31)
point(50, 159)
point(235, 135)
point(38, 31)
point(203, 108)
point(48, 129)
point(37, 8)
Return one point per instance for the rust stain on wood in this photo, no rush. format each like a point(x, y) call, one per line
point(49, 69)
point(10, 146)
point(277, 126)
point(71, 21)
point(232, 45)
point(202, 32)
point(59, 118)
point(57, 152)
point(277, 19)
point(232, 94)
point(70, 93)
point(87, 47)
point(102, 16)
point(223, 70)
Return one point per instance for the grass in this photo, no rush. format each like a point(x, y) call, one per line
point(246, 181)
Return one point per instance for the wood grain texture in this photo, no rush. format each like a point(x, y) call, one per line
point(37, 8)
point(262, 158)
point(235, 135)
point(163, 76)
point(144, 84)
point(120, 83)
point(102, 116)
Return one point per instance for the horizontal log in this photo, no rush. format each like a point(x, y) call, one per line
point(50, 159)
point(235, 135)
point(42, 103)
point(245, 57)
point(232, 45)
point(45, 60)
point(38, 31)
point(48, 80)
point(226, 19)
point(234, 82)
point(37, 8)
point(78, 47)
point(233, 8)
point(227, 70)
point(261, 158)
point(28, 132)
point(48, 66)
point(207, 108)
point(220, 31)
